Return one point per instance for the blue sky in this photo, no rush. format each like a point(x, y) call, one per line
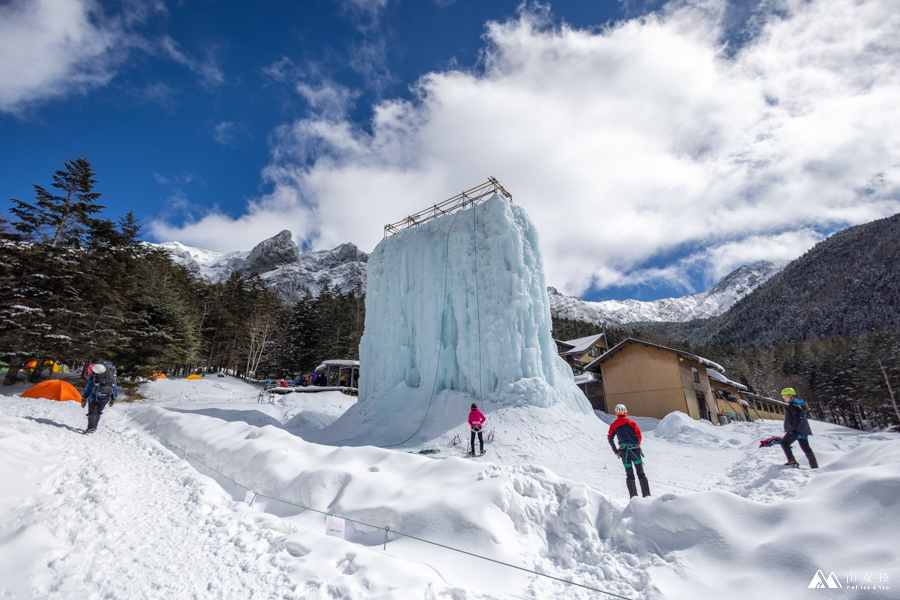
point(656, 145)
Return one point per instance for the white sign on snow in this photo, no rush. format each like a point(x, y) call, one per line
point(249, 497)
point(334, 526)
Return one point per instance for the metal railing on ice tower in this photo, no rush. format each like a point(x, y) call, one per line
point(462, 200)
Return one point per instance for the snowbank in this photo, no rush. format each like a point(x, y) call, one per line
point(680, 428)
point(118, 515)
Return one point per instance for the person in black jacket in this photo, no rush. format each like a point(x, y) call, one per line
point(629, 435)
point(101, 389)
point(796, 427)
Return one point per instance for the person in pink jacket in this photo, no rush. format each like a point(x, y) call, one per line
point(476, 422)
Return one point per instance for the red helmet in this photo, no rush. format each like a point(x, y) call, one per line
point(474, 406)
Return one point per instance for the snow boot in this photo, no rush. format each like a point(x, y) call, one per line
point(632, 487)
point(792, 463)
point(645, 486)
point(813, 464)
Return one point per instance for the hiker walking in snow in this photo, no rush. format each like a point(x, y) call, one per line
point(796, 426)
point(629, 435)
point(476, 422)
point(101, 389)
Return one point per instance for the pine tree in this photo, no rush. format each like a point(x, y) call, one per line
point(64, 219)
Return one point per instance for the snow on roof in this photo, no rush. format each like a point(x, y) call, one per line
point(586, 378)
point(720, 377)
point(582, 344)
point(337, 363)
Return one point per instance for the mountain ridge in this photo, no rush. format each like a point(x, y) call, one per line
point(286, 269)
point(715, 301)
point(845, 285)
point(292, 272)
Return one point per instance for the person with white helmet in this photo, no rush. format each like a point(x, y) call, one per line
point(796, 427)
point(101, 389)
point(629, 436)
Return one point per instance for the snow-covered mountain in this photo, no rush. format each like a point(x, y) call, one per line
point(710, 303)
point(290, 272)
point(286, 269)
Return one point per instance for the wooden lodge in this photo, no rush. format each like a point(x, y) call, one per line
point(653, 381)
point(580, 352)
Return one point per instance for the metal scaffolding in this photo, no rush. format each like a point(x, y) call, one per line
point(462, 200)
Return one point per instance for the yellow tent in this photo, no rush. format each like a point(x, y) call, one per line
point(194, 376)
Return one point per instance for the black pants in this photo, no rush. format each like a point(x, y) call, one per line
point(480, 440)
point(629, 472)
point(95, 409)
point(789, 439)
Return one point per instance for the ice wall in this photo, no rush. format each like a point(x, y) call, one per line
point(460, 303)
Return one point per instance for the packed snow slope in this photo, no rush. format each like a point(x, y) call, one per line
point(122, 515)
point(456, 312)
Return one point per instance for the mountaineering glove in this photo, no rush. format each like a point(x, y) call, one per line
point(619, 453)
point(112, 402)
point(83, 402)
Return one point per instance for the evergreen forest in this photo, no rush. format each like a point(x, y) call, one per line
point(76, 288)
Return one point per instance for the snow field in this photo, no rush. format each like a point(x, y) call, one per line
point(119, 515)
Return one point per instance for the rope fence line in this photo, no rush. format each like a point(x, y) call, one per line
point(386, 529)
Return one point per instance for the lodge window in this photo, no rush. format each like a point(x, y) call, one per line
point(696, 375)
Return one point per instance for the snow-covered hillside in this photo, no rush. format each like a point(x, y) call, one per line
point(283, 267)
point(122, 515)
point(710, 303)
point(291, 272)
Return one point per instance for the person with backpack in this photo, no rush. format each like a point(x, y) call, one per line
point(796, 426)
point(101, 389)
point(476, 422)
point(629, 436)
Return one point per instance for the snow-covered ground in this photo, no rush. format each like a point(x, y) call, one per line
point(121, 515)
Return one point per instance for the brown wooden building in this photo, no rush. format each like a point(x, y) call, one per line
point(653, 381)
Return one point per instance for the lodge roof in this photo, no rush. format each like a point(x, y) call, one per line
point(581, 344)
point(595, 364)
point(720, 377)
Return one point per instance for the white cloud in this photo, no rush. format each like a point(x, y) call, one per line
point(224, 133)
point(282, 209)
point(628, 144)
point(209, 72)
point(53, 47)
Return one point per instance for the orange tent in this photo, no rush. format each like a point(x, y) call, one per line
point(53, 389)
point(158, 376)
point(193, 376)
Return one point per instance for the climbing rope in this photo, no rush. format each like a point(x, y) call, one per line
point(477, 305)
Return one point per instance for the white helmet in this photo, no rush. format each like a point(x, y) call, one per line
point(621, 410)
point(98, 368)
